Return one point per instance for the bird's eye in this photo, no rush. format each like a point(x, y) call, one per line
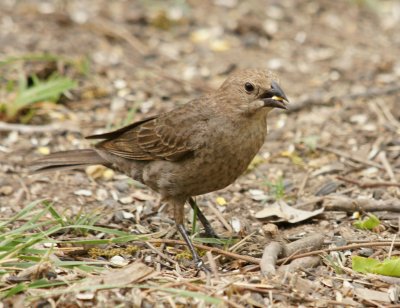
point(249, 87)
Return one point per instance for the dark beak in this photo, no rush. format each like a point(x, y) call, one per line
point(275, 97)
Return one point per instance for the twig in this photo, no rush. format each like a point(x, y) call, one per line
point(29, 129)
point(234, 247)
point(303, 184)
point(314, 200)
point(391, 247)
point(388, 114)
point(120, 32)
point(368, 184)
point(269, 257)
point(345, 247)
point(220, 217)
point(212, 249)
point(305, 244)
point(162, 255)
point(388, 168)
point(349, 205)
point(303, 263)
point(351, 157)
point(321, 100)
point(113, 30)
point(213, 265)
point(25, 189)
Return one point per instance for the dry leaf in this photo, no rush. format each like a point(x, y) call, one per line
point(374, 295)
point(286, 212)
point(121, 276)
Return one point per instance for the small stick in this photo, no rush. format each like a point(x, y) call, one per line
point(388, 168)
point(269, 257)
point(391, 246)
point(349, 205)
point(111, 29)
point(212, 249)
point(348, 156)
point(220, 217)
point(162, 255)
point(345, 247)
point(320, 100)
point(305, 244)
point(368, 184)
point(388, 114)
point(303, 185)
point(239, 244)
point(303, 263)
point(212, 264)
point(29, 129)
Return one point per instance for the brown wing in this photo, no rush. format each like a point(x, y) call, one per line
point(170, 136)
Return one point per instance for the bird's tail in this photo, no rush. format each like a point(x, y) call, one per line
point(67, 160)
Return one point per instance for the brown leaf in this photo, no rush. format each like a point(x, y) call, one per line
point(121, 276)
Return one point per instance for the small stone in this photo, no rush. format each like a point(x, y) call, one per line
point(220, 201)
point(121, 186)
point(257, 194)
point(140, 195)
point(108, 174)
point(44, 150)
point(101, 194)
point(126, 200)
point(85, 296)
point(120, 216)
point(83, 192)
point(271, 229)
point(366, 252)
point(236, 226)
point(119, 261)
point(6, 190)
point(120, 84)
point(98, 171)
point(110, 203)
point(49, 245)
point(127, 215)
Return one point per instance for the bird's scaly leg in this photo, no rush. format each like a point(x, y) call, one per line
point(204, 221)
point(179, 220)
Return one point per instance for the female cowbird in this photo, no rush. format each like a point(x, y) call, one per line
point(194, 149)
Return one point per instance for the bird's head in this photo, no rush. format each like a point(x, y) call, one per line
point(253, 90)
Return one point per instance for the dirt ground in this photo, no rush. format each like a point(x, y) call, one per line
point(336, 151)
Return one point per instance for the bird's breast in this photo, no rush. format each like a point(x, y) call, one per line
point(227, 155)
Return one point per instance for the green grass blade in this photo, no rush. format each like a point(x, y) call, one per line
point(46, 90)
point(25, 211)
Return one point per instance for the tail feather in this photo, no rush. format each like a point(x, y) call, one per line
point(67, 160)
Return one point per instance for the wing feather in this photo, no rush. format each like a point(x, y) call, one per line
point(171, 136)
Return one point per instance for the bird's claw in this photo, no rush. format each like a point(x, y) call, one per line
point(200, 266)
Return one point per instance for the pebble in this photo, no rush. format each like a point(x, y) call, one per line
point(121, 186)
point(83, 192)
point(123, 215)
point(101, 194)
point(119, 261)
point(85, 296)
point(257, 194)
point(126, 200)
point(6, 190)
point(236, 226)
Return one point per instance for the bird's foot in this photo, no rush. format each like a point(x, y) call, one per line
point(200, 266)
point(196, 258)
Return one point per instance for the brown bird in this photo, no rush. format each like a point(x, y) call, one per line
point(196, 148)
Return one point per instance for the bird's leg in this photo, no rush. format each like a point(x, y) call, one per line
point(204, 221)
point(179, 219)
